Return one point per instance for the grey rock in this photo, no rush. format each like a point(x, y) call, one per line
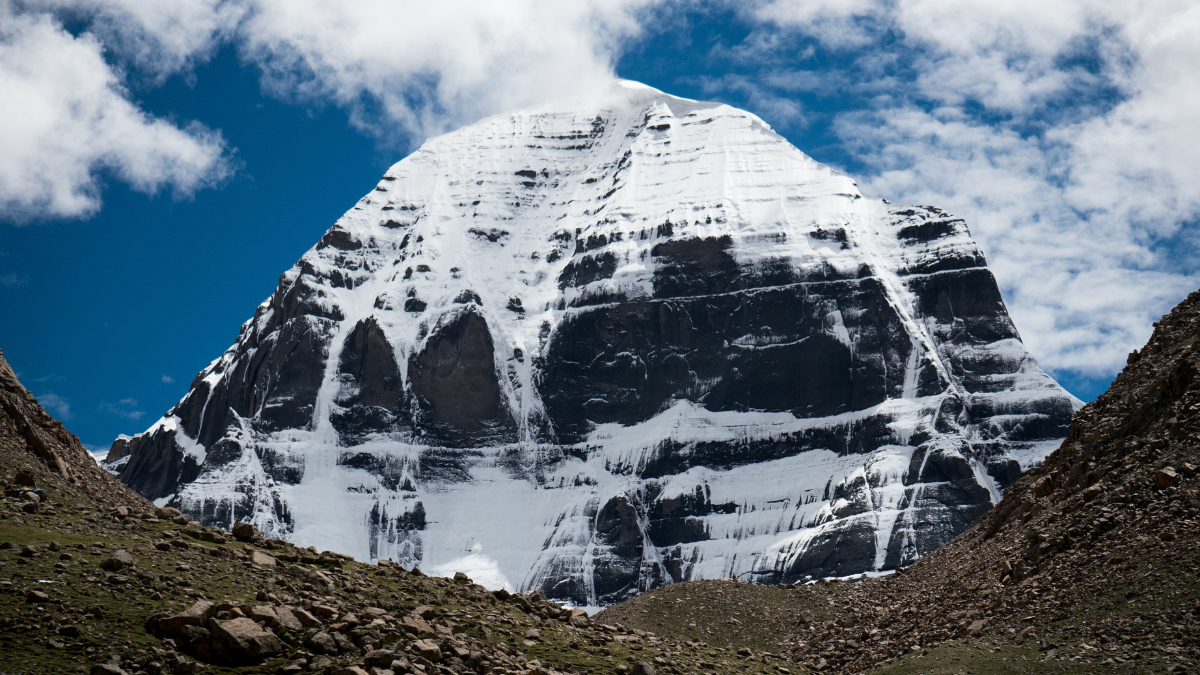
point(641, 668)
point(243, 531)
point(197, 615)
point(119, 560)
point(247, 641)
point(428, 649)
point(322, 643)
point(381, 658)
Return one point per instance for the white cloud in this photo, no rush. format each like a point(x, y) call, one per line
point(1064, 132)
point(155, 38)
point(56, 404)
point(167, 379)
point(432, 66)
point(65, 117)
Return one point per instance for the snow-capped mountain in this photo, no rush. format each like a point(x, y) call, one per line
point(609, 344)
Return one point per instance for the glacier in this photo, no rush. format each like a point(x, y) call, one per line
point(601, 345)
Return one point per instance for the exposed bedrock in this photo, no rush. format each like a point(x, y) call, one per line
point(599, 347)
point(372, 397)
point(776, 349)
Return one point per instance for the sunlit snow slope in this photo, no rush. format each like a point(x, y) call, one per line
point(609, 344)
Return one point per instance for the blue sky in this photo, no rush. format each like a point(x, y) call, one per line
point(162, 165)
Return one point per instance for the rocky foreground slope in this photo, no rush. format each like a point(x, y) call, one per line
point(595, 347)
point(95, 580)
point(1089, 564)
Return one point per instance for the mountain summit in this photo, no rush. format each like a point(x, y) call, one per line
point(596, 347)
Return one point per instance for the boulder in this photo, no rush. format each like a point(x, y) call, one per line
point(417, 626)
point(323, 612)
point(288, 619)
point(425, 612)
point(243, 531)
point(196, 615)
point(322, 643)
point(264, 614)
point(247, 641)
point(306, 619)
point(428, 650)
point(1165, 477)
point(344, 644)
point(641, 668)
point(261, 559)
point(118, 561)
point(380, 658)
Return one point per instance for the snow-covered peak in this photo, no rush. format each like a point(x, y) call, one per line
point(604, 344)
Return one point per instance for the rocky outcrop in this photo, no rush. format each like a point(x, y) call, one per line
point(611, 344)
point(37, 451)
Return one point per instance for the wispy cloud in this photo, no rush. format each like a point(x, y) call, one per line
point(57, 405)
point(11, 280)
point(167, 379)
point(126, 408)
point(49, 378)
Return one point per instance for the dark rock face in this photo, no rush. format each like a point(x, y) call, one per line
point(372, 396)
point(157, 467)
point(456, 386)
point(769, 350)
point(598, 363)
